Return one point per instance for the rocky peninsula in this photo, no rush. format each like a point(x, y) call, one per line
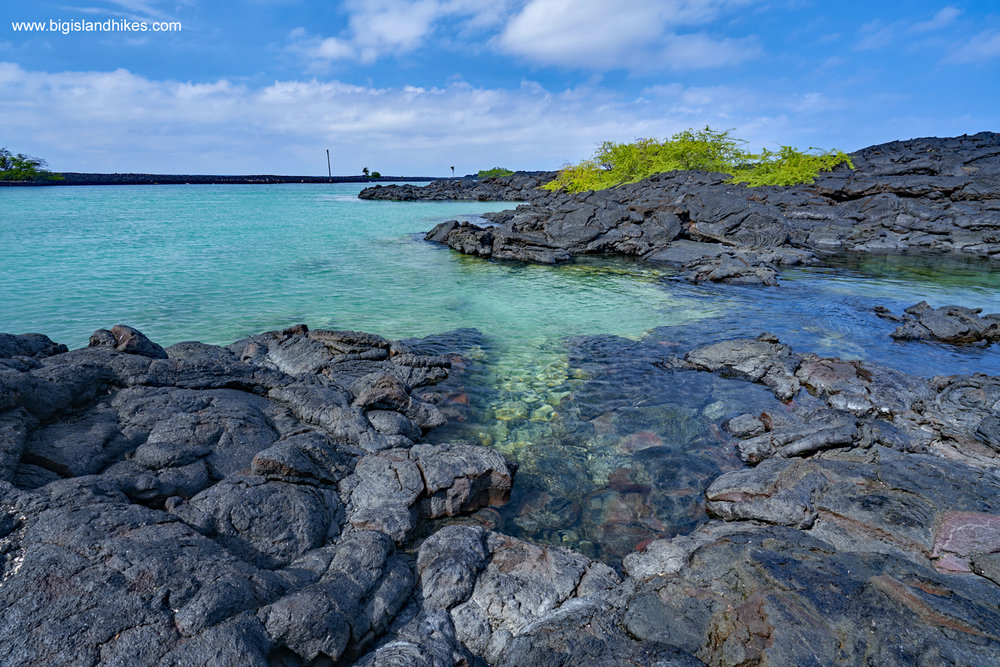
point(279, 500)
point(922, 194)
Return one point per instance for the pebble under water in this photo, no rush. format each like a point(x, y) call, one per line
point(560, 368)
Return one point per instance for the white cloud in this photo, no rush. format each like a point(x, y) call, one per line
point(942, 19)
point(580, 32)
point(628, 34)
point(982, 48)
point(732, 105)
point(138, 9)
point(378, 28)
point(699, 51)
point(394, 26)
point(876, 35)
point(119, 121)
point(636, 34)
point(478, 13)
point(332, 48)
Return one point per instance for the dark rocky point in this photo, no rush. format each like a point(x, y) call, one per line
point(522, 185)
point(920, 194)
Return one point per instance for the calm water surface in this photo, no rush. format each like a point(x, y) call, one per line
point(561, 370)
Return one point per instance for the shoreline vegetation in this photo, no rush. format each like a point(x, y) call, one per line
point(615, 164)
point(21, 167)
point(495, 172)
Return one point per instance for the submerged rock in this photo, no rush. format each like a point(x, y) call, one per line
point(947, 324)
point(731, 269)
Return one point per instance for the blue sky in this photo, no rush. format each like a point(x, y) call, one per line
point(265, 86)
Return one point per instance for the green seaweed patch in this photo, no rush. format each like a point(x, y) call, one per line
point(615, 164)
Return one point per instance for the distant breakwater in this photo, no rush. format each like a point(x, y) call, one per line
point(80, 178)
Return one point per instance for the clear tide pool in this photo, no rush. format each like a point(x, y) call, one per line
point(561, 369)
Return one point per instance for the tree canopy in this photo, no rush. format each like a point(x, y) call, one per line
point(495, 172)
point(23, 167)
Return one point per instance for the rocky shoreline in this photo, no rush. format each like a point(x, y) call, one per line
point(521, 185)
point(922, 194)
point(282, 500)
point(265, 502)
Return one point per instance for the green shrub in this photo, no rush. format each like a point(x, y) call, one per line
point(495, 172)
point(22, 167)
point(706, 150)
point(376, 174)
point(788, 166)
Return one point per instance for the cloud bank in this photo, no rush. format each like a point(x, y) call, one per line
point(639, 35)
point(632, 34)
point(119, 121)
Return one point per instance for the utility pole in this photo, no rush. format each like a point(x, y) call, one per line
point(329, 171)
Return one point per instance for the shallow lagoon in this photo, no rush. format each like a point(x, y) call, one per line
point(562, 365)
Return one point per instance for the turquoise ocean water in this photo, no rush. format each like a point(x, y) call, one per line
point(217, 263)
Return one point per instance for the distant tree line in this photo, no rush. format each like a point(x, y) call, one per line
point(23, 167)
point(495, 172)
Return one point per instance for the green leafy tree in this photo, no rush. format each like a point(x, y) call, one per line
point(365, 172)
point(495, 172)
point(376, 174)
point(706, 150)
point(23, 167)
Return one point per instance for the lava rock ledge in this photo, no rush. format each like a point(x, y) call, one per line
point(930, 194)
point(259, 504)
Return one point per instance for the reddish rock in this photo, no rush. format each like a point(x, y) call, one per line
point(961, 534)
point(635, 442)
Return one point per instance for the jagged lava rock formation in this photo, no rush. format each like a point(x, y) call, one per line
point(929, 194)
point(257, 504)
point(209, 505)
